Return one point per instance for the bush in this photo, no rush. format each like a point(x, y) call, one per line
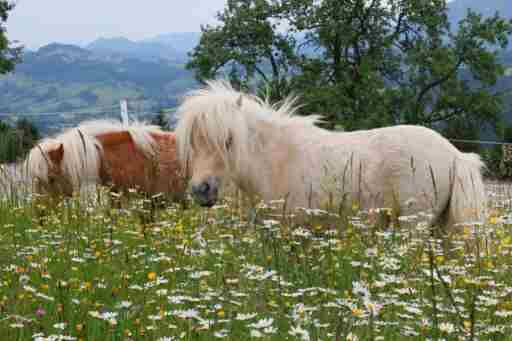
point(15, 142)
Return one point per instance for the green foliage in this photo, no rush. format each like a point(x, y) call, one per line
point(250, 43)
point(16, 141)
point(497, 166)
point(361, 63)
point(161, 120)
point(9, 54)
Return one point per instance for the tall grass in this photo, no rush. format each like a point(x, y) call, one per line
point(95, 272)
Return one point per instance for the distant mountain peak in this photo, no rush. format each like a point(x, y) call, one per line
point(67, 52)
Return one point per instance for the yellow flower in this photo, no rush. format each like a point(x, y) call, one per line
point(493, 220)
point(152, 276)
point(79, 327)
point(488, 264)
point(357, 312)
point(221, 313)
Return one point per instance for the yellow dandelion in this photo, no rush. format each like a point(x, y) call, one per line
point(357, 312)
point(221, 313)
point(152, 276)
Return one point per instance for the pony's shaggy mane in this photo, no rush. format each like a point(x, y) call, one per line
point(82, 150)
point(220, 113)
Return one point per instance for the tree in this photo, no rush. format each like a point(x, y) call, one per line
point(16, 141)
point(28, 133)
point(250, 43)
point(161, 120)
point(362, 63)
point(9, 54)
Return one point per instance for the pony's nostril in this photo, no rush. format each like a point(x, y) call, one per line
point(201, 189)
point(205, 187)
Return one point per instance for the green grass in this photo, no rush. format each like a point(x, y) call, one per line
point(100, 273)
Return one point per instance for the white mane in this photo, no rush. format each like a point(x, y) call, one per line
point(219, 113)
point(82, 151)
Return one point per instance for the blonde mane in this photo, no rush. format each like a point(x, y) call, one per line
point(82, 150)
point(220, 113)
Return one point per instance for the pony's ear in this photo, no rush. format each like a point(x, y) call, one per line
point(239, 101)
point(56, 152)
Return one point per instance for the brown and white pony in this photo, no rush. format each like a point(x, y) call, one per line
point(269, 152)
point(136, 156)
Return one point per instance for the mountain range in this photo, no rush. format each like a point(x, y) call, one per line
point(85, 82)
point(69, 83)
point(172, 47)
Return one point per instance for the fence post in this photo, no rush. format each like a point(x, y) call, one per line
point(124, 112)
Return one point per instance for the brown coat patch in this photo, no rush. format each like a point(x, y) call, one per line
point(124, 166)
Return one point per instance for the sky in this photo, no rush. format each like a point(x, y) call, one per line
point(35, 23)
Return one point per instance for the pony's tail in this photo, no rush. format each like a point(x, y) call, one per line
point(468, 199)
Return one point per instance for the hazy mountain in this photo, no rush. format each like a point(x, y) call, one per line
point(182, 42)
point(144, 50)
point(66, 78)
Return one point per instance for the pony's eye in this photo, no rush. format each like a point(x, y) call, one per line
point(229, 142)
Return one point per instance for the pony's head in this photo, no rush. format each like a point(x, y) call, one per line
point(44, 166)
point(211, 137)
point(220, 134)
point(62, 164)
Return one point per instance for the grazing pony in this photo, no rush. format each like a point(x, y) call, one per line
point(109, 153)
point(271, 153)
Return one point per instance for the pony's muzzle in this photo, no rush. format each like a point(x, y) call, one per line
point(206, 192)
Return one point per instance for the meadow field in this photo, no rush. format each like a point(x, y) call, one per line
point(96, 272)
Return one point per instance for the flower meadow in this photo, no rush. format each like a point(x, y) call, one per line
point(102, 272)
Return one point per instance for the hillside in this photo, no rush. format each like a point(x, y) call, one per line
point(60, 78)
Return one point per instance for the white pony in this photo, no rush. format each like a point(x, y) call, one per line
point(271, 153)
